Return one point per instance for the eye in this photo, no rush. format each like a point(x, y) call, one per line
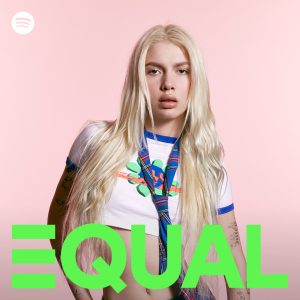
point(184, 71)
point(151, 71)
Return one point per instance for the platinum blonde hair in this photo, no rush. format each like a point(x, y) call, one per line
point(109, 149)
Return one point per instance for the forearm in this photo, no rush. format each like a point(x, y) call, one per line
point(79, 293)
point(237, 252)
point(239, 293)
point(231, 230)
point(56, 215)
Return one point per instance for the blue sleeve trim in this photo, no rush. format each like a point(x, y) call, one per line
point(225, 209)
point(71, 166)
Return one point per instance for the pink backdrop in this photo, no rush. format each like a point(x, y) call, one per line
point(71, 68)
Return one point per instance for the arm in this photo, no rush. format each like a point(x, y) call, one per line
point(229, 224)
point(56, 213)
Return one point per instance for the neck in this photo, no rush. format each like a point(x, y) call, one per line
point(168, 128)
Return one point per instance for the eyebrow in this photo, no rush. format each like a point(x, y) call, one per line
point(161, 66)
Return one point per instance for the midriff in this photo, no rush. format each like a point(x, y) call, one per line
point(133, 290)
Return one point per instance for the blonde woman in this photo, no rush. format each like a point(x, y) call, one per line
point(160, 162)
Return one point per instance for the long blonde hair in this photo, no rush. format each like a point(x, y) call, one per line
point(201, 152)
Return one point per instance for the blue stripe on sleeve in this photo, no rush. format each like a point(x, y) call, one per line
point(70, 165)
point(225, 209)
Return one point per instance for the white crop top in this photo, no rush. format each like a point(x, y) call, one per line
point(130, 201)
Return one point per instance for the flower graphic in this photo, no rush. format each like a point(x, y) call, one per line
point(158, 171)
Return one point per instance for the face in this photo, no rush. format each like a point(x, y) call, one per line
point(167, 72)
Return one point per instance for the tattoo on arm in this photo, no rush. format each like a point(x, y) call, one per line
point(64, 187)
point(234, 238)
point(60, 201)
point(242, 294)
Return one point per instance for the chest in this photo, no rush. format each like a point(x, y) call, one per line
point(130, 201)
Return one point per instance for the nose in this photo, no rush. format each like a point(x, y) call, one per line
point(167, 86)
point(167, 83)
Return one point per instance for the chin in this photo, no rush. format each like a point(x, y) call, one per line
point(167, 118)
point(170, 114)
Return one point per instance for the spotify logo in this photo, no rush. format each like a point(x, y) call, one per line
point(22, 22)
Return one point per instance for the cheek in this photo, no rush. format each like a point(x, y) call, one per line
point(151, 88)
point(185, 95)
point(187, 90)
point(188, 85)
point(184, 86)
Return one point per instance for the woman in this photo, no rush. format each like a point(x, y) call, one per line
point(165, 119)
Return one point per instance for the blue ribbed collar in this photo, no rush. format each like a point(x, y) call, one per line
point(160, 138)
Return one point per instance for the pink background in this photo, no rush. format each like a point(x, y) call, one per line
point(71, 68)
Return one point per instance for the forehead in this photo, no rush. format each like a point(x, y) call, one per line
point(166, 52)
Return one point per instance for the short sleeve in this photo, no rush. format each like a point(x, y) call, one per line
point(79, 151)
point(225, 203)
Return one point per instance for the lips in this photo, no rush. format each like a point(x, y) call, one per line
point(167, 102)
point(168, 99)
